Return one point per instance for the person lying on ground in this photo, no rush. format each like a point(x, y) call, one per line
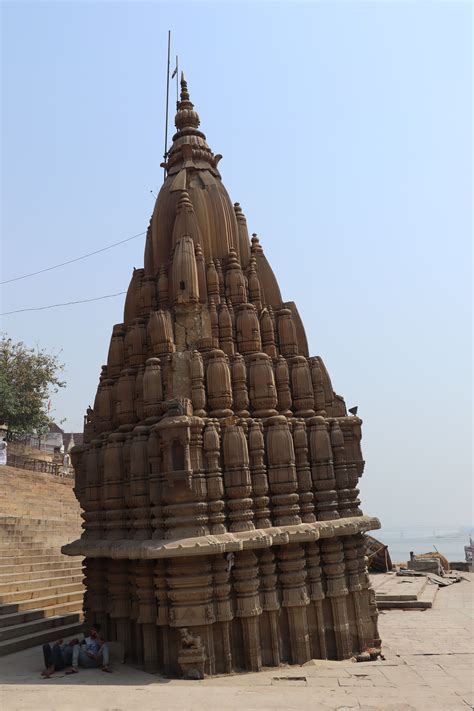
point(91, 653)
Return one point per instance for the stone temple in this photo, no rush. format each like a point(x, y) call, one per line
point(218, 475)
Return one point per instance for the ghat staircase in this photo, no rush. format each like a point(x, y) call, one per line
point(41, 590)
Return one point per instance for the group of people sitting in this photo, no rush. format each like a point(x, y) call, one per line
point(91, 652)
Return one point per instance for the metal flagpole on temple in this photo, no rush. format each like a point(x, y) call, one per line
point(167, 102)
point(175, 74)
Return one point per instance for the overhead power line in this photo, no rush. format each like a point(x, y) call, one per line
point(76, 259)
point(66, 303)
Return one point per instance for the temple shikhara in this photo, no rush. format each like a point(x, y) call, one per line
point(219, 470)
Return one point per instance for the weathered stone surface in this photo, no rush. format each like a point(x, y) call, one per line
point(219, 469)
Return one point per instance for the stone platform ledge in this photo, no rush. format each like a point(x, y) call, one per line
point(223, 543)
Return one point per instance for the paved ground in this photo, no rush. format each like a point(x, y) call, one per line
point(429, 665)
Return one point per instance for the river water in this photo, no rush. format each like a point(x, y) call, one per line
point(449, 542)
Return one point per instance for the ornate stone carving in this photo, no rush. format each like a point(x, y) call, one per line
point(248, 329)
point(263, 396)
point(238, 486)
point(239, 382)
point(282, 472)
point(191, 656)
point(219, 387)
point(219, 470)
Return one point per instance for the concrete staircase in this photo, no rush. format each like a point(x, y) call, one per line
point(41, 590)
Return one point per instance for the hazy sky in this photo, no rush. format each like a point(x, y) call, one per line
point(346, 135)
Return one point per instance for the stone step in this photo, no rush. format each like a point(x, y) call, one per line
point(423, 602)
point(31, 640)
point(24, 616)
point(47, 558)
point(26, 549)
point(23, 586)
point(53, 598)
point(398, 588)
point(24, 577)
point(23, 596)
point(37, 625)
point(58, 561)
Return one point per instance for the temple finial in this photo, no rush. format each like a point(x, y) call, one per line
point(184, 88)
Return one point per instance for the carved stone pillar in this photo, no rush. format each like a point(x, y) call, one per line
point(162, 619)
point(258, 474)
point(245, 575)
point(255, 292)
point(248, 329)
point(152, 388)
point(125, 403)
point(282, 472)
point(239, 382)
point(115, 514)
point(118, 600)
point(318, 389)
point(220, 277)
point(215, 484)
point(93, 517)
point(197, 385)
point(236, 290)
point(135, 342)
point(263, 396)
point(302, 387)
point(238, 486)
point(305, 484)
point(287, 333)
point(160, 333)
point(139, 511)
point(115, 359)
point(219, 387)
point(223, 608)
point(313, 564)
point(322, 470)
point(95, 601)
point(282, 376)
point(333, 566)
point(201, 272)
point(270, 601)
point(139, 407)
point(268, 334)
point(340, 470)
point(213, 283)
point(225, 330)
point(154, 455)
point(163, 288)
point(351, 430)
point(292, 576)
point(147, 613)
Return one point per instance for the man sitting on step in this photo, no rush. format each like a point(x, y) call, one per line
point(91, 652)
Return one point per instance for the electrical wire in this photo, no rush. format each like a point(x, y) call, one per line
point(70, 261)
point(66, 303)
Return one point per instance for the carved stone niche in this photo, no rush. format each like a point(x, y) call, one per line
point(185, 512)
